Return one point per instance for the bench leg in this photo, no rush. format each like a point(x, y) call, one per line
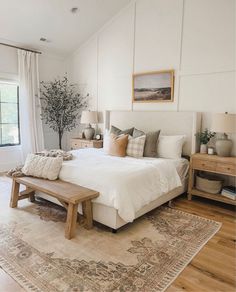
point(31, 194)
point(88, 214)
point(171, 204)
point(14, 194)
point(32, 197)
point(71, 220)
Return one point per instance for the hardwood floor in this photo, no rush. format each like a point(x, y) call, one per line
point(214, 267)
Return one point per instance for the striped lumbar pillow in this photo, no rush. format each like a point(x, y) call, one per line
point(135, 146)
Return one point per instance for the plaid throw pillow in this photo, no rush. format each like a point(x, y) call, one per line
point(136, 146)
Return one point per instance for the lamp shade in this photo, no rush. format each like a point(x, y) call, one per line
point(224, 123)
point(89, 117)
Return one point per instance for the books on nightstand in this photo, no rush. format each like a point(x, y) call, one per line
point(229, 192)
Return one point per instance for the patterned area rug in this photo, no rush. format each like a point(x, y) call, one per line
point(146, 255)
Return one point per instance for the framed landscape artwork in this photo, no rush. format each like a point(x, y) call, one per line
point(153, 86)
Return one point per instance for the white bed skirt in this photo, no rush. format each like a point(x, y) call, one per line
point(109, 216)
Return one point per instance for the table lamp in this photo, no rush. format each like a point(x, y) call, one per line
point(89, 117)
point(224, 123)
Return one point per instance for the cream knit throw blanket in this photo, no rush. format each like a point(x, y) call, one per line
point(16, 172)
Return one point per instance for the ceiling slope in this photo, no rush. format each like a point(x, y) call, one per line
point(24, 22)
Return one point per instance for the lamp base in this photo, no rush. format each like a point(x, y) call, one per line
point(224, 147)
point(89, 133)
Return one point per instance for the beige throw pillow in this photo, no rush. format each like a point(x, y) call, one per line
point(135, 146)
point(116, 145)
point(43, 167)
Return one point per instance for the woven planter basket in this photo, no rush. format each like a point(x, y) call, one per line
point(209, 184)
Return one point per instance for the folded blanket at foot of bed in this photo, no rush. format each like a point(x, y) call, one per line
point(17, 171)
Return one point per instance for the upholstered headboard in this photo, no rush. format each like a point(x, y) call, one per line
point(170, 123)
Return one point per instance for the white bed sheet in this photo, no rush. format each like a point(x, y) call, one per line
point(126, 184)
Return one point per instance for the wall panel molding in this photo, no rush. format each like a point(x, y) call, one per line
point(194, 37)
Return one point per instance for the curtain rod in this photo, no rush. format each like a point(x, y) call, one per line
point(28, 50)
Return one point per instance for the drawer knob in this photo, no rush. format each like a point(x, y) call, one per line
point(228, 168)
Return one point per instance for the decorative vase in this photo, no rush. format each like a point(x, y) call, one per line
point(89, 132)
point(203, 148)
point(224, 147)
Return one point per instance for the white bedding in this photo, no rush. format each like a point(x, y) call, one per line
point(126, 184)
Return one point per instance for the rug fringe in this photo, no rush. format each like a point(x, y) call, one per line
point(18, 277)
point(180, 266)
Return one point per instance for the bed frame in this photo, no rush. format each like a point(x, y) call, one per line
point(170, 123)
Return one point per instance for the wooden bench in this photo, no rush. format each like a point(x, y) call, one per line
point(68, 194)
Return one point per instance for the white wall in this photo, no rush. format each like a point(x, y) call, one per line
point(194, 37)
point(49, 68)
point(81, 68)
point(8, 63)
point(157, 42)
point(115, 62)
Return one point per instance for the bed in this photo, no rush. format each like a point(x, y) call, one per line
point(130, 187)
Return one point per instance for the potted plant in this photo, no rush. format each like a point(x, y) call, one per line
point(204, 137)
point(61, 105)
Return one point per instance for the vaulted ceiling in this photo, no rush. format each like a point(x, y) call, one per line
point(24, 22)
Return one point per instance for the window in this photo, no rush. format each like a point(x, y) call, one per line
point(9, 114)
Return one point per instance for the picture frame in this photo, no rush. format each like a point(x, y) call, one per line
point(154, 86)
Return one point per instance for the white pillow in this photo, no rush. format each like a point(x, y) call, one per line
point(170, 146)
point(135, 146)
point(43, 167)
point(106, 141)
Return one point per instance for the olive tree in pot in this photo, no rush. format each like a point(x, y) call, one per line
point(61, 105)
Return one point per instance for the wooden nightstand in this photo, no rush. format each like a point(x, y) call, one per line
point(214, 164)
point(78, 143)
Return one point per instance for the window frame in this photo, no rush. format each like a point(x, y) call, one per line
point(18, 115)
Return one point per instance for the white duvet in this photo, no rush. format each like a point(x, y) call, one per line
point(127, 184)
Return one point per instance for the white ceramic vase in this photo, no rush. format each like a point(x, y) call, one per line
point(203, 148)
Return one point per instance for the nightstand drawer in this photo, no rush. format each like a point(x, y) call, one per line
point(204, 164)
point(75, 144)
point(226, 168)
point(78, 143)
point(86, 144)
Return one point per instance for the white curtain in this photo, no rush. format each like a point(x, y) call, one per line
point(31, 130)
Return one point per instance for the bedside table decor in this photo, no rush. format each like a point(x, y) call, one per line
point(229, 192)
point(78, 143)
point(213, 164)
point(208, 184)
point(210, 150)
point(89, 117)
point(204, 137)
point(98, 137)
point(224, 123)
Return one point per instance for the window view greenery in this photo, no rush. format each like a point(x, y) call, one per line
point(9, 114)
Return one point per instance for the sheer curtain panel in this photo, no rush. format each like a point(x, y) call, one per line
point(31, 130)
